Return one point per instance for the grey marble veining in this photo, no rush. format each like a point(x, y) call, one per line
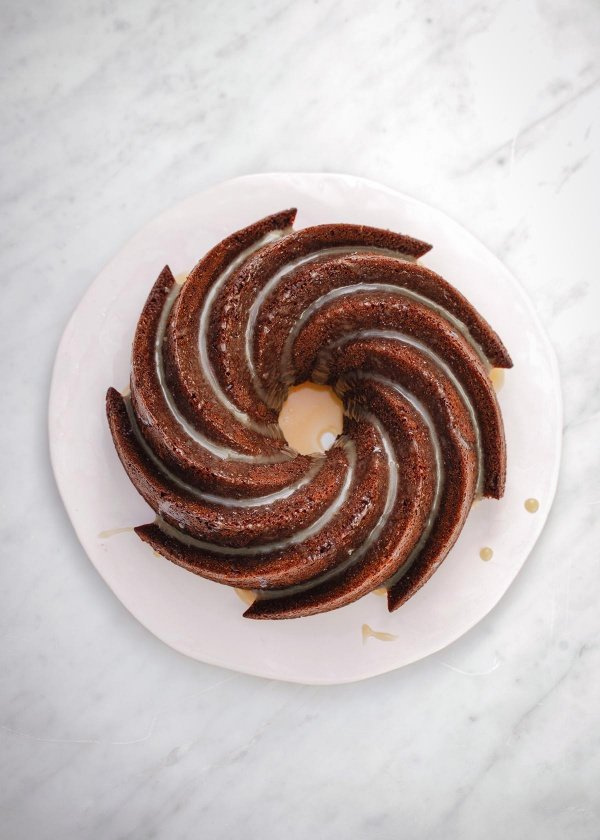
point(110, 113)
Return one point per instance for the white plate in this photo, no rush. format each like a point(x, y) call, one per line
point(203, 619)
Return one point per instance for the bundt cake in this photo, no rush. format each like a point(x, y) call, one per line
point(212, 361)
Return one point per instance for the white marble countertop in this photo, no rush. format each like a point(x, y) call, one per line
point(112, 112)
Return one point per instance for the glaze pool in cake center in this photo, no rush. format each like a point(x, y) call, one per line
point(311, 418)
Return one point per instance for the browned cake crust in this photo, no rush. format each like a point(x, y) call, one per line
point(212, 360)
point(297, 562)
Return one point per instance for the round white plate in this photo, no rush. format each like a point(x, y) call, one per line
point(203, 619)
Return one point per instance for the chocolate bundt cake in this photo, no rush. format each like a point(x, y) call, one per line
point(212, 362)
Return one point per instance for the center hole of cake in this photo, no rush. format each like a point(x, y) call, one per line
point(311, 418)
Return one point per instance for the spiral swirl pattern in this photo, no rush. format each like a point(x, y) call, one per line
point(211, 364)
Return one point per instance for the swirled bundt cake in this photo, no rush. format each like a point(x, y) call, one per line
point(212, 361)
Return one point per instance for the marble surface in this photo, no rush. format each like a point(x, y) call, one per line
point(110, 113)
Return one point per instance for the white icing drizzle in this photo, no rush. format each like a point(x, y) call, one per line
point(278, 545)
point(205, 362)
point(343, 291)
point(273, 282)
point(216, 449)
point(355, 555)
point(212, 498)
point(396, 335)
point(439, 471)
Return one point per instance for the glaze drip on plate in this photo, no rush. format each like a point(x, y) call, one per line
point(212, 361)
